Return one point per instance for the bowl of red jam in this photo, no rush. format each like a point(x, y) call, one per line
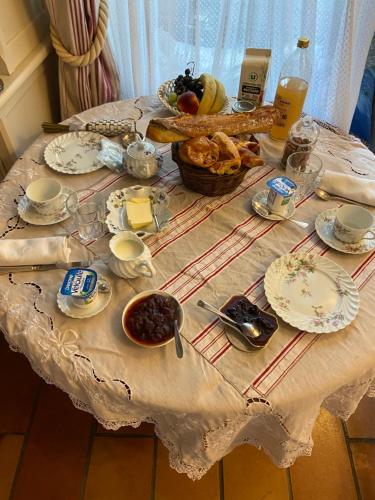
point(148, 318)
point(242, 310)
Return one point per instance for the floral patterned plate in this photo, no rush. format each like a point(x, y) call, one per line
point(74, 153)
point(311, 292)
point(30, 215)
point(324, 227)
point(116, 219)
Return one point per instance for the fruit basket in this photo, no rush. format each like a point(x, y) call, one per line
point(167, 87)
point(203, 181)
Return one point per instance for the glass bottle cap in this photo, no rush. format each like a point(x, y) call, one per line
point(303, 42)
point(243, 107)
point(141, 150)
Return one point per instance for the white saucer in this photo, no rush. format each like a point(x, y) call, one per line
point(261, 197)
point(66, 305)
point(324, 227)
point(28, 213)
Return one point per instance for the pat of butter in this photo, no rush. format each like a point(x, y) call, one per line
point(138, 211)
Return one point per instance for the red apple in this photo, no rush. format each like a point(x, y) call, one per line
point(188, 102)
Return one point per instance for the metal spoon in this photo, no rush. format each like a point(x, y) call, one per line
point(103, 286)
point(177, 338)
point(266, 211)
point(156, 221)
point(246, 329)
point(327, 196)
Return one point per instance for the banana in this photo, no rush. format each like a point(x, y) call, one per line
point(209, 93)
point(219, 98)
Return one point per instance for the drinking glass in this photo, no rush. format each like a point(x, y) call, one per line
point(303, 169)
point(88, 209)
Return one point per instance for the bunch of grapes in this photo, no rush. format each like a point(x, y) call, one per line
point(184, 83)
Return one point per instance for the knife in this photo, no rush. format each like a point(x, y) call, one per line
point(46, 267)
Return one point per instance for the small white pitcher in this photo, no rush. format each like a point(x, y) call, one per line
point(130, 257)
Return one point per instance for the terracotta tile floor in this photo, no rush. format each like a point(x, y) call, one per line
point(51, 451)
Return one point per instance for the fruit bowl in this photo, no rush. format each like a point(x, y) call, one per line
point(167, 87)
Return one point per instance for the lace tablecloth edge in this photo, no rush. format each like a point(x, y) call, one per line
point(194, 472)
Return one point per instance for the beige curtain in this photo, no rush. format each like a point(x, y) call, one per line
point(82, 87)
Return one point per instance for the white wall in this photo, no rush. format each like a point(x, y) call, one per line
point(29, 71)
point(23, 25)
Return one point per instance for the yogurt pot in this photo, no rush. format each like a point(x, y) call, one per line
point(81, 285)
point(281, 190)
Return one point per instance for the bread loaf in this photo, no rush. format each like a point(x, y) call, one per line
point(183, 127)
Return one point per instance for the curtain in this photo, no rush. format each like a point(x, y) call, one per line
point(85, 86)
point(152, 40)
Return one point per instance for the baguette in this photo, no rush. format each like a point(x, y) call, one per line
point(184, 127)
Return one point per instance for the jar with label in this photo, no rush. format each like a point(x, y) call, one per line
point(302, 137)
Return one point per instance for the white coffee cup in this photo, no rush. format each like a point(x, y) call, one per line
point(130, 257)
point(352, 223)
point(45, 195)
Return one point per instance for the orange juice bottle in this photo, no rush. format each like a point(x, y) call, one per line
point(292, 89)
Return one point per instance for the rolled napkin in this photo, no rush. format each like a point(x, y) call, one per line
point(34, 251)
point(348, 186)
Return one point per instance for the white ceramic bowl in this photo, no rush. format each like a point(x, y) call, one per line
point(141, 296)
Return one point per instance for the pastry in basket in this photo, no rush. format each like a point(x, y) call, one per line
point(181, 128)
point(220, 154)
point(199, 151)
point(248, 141)
point(248, 151)
point(229, 157)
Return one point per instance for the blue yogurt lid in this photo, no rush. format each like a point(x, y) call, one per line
point(79, 282)
point(282, 185)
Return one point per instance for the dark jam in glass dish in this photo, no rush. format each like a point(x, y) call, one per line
point(241, 310)
point(150, 320)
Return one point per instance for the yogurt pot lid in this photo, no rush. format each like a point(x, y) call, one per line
point(282, 185)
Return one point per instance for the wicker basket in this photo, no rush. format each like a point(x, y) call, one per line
point(202, 181)
point(167, 87)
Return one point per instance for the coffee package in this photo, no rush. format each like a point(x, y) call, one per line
point(254, 72)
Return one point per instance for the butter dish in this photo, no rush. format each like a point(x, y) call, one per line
point(117, 218)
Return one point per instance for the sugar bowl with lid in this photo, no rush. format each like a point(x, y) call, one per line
point(142, 159)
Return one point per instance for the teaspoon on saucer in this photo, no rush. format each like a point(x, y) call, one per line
point(266, 211)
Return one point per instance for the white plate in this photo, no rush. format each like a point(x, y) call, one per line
point(67, 307)
point(324, 227)
point(117, 220)
point(311, 292)
point(28, 213)
point(74, 153)
point(261, 197)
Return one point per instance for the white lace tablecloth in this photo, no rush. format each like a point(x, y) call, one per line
point(216, 397)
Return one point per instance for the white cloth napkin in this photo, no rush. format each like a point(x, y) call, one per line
point(34, 251)
point(348, 186)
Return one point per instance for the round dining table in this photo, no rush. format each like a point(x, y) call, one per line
point(216, 397)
